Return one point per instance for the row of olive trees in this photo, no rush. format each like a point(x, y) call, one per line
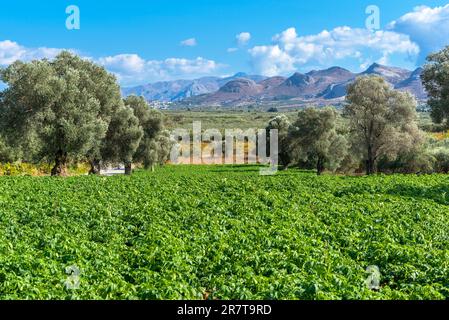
point(376, 123)
point(70, 109)
point(377, 129)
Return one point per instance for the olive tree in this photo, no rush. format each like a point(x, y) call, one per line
point(122, 139)
point(439, 149)
point(152, 125)
point(314, 139)
point(57, 110)
point(6, 153)
point(441, 160)
point(383, 121)
point(435, 78)
point(283, 125)
point(160, 149)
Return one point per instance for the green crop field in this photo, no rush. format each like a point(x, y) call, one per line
point(224, 232)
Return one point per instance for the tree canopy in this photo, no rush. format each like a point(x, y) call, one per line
point(57, 110)
point(152, 125)
point(435, 78)
point(283, 125)
point(314, 139)
point(123, 138)
point(383, 121)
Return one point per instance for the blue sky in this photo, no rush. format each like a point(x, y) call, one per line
point(146, 41)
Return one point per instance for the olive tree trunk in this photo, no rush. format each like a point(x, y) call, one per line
point(95, 166)
point(60, 168)
point(320, 166)
point(370, 162)
point(128, 168)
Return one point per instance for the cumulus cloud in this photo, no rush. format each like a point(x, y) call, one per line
point(290, 51)
point(426, 26)
point(124, 63)
point(243, 38)
point(11, 51)
point(230, 50)
point(411, 38)
point(131, 69)
point(272, 60)
point(189, 42)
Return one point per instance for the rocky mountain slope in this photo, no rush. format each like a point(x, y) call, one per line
point(315, 87)
point(170, 91)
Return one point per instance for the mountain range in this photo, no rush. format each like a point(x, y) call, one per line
point(318, 87)
point(177, 90)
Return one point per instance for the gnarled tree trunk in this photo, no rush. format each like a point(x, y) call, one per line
point(60, 168)
point(95, 167)
point(320, 166)
point(370, 162)
point(370, 167)
point(128, 168)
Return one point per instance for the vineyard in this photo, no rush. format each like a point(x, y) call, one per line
point(224, 232)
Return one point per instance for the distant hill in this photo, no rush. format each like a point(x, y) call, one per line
point(392, 74)
point(311, 84)
point(318, 87)
point(170, 91)
point(413, 85)
point(239, 91)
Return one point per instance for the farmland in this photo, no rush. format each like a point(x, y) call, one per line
point(242, 119)
point(224, 232)
point(221, 119)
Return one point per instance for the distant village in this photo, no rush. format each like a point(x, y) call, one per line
point(160, 105)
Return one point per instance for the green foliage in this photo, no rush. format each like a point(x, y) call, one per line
point(57, 110)
point(43, 169)
point(283, 125)
point(442, 160)
point(435, 78)
point(152, 146)
point(439, 150)
point(7, 153)
point(418, 161)
point(382, 121)
point(23, 169)
point(123, 137)
point(161, 148)
point(314, 139)
point(290, 236)
point(220, 119)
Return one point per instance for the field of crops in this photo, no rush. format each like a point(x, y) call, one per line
point(224, 232)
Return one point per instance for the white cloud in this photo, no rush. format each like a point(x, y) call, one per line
point(290, 51)
point(131, 69)
point(11, 51)
point(189, 42)
point(230, 50)
point(186, 66)
point(428, 27)
point(124, 63)
point(272, 60)
point(243, 38)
